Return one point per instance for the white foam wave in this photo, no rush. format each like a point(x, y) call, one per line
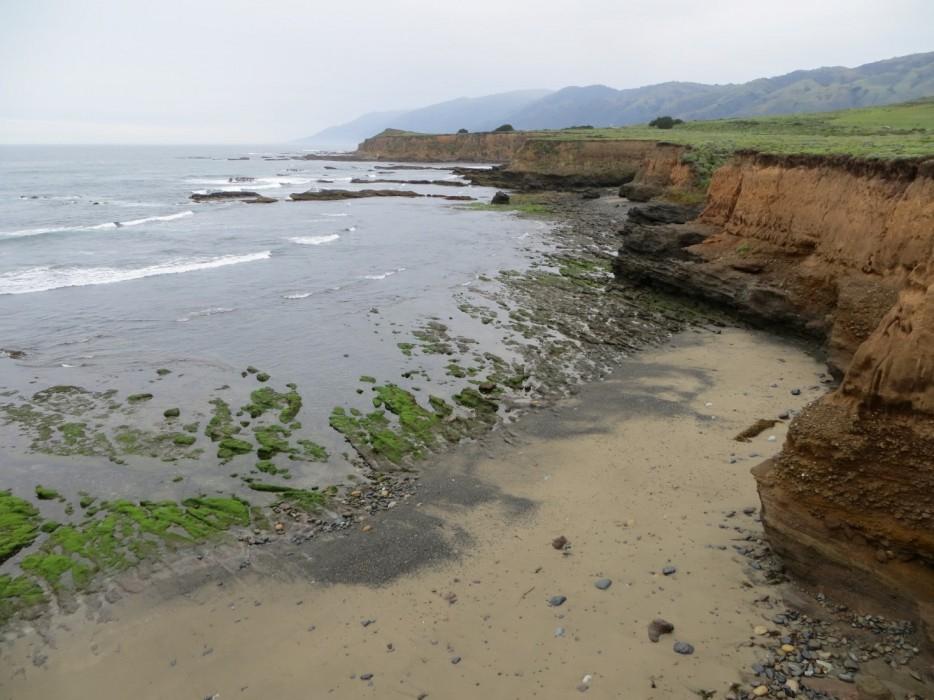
point(41, 279)
point(24, 233)
point(205, 312)
point(384, 275)
point(314, 240)
point(341, 214)
point(304, 295)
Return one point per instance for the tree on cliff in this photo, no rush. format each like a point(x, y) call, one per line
point(462, 131)
point(665, 122)
point(504, 127)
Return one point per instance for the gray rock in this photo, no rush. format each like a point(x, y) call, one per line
point(556, 600)
point(669, 570)
point(455, 660)
point(603, 583)
point(365, 676)
point(500, 198)
point(683, 648)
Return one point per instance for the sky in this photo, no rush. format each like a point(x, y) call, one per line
point(237, 71)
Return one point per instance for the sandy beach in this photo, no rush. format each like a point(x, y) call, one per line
point(639, 473)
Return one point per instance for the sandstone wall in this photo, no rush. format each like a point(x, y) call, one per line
point(593, 161)
point(443, 148)
point(849, 502)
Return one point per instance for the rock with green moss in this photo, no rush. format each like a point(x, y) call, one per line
point(313, 451)
point(171, 413)
point(162, 371)
point(19, 524)
point(368, 379)
point(221, 424)
point(184, 439)
point(124, 533)
point(47, 494)
point(230, 447)
point(18, 594)
point(138, 398)
point(262, 377)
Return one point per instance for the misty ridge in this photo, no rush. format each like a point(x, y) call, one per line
point(821, 89)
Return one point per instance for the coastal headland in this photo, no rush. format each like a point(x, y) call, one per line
point(741, 296)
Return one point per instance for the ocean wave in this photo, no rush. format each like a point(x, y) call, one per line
point(303, 295)
point(384, 275)
point(341, 214)
point(211, 311)
point(24, 233)
point(314, 240)
point(42, 279)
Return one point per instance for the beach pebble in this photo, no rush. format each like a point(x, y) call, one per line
point(365, 676)
point(669, 570)
point(559, 542)
point(556, 600)
point(603, 583)
point(658, 627)
point(560, 631)
point(760, 690)
point(760, 630)
point(749, 510)
point(796, 392)
point(455, 660)
point(683, 648)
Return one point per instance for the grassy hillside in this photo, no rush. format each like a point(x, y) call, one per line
point(894, 131)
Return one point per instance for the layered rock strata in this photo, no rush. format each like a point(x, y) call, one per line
point(844, 250)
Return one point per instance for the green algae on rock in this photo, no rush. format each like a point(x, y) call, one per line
point(125, 534)
point(17, 594)
point(138, 398)
point(19, 524)
point(46, 494)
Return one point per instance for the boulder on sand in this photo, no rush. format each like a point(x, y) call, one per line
point(500, 198)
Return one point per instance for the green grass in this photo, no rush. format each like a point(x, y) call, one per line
point(893, 131)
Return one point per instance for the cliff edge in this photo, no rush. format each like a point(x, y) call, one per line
point(841, 249)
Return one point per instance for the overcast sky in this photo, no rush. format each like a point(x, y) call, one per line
point(213, 71)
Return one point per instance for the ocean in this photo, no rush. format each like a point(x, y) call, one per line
point(109, 272)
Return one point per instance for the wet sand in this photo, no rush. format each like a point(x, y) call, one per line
point(636, 472)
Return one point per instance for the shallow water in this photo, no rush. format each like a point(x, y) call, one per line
point(316, 293)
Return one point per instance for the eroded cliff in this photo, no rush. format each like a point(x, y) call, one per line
point(533, 162)
point(842, 249)
point(442, 148)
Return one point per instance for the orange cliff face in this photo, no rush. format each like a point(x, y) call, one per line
point(849, 502)
point(540, 161)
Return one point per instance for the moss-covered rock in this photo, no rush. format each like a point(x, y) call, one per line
point(171, 413)
point(139, 398)
point(19, 524)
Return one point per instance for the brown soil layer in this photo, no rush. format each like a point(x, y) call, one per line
point(843, 250)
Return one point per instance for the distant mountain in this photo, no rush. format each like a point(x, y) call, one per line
point(822, 89)
point(472, 113)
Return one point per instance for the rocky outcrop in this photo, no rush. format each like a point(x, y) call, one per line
point(392, 144)
point(842, 249)
point(333, 195)
point(531, 161)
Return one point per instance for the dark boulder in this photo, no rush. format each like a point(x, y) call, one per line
point(663, 214)
point(636, 192)
point(332, 195)
point(500, 198)
point(224, 196)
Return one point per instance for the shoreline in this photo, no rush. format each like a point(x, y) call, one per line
point(630, 428)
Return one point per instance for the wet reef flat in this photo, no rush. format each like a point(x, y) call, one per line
point(233, 463)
